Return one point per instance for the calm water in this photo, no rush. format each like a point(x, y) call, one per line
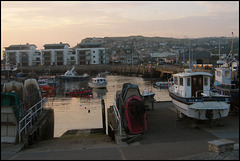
point(84, 113)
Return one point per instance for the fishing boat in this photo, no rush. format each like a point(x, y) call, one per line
point(51, 80)
point(131, 106)
point(192, 96)
point(227, 76)
point(72, 75)
point(45, 87)
point(79, 93)
point(223, 82)
point(98, 82)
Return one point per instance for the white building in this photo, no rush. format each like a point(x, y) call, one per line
point(25, 55)
point(90, 53)
point(55, 54)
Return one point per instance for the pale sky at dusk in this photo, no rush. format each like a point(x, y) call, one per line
point(48, 22)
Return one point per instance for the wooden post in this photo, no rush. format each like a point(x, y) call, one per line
point(103, 116)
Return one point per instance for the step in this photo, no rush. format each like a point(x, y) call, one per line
point(221, 145)
point(6, 109)
point(8, 117)
point(8, 139)
point(9, 130)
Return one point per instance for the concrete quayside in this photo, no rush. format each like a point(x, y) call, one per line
point(167, 138)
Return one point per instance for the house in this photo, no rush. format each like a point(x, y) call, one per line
point(167, 57)
point(128, 56)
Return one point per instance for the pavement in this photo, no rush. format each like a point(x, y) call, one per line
point(167, 138)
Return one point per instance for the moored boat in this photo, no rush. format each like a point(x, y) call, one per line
point(162, 85)
point(72, 75)
point(51, 80)
point(45, 87)
point(192, 96)
point(79, 93)
point(98, 82)
point(148, 95)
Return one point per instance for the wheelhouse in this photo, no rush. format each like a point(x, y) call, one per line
point(190, 84)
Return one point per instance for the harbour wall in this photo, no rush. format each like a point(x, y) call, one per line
point(43, 129)
point(160, 71)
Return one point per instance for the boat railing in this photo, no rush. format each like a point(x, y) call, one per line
point(212, 92)
point(29, 117)
point(117, 116)
point(227, 86)
point(170, 84)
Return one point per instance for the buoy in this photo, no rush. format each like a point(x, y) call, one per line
point(85, 107)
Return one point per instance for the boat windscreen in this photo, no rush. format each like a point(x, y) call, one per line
point(131, 92)
point(126, 87)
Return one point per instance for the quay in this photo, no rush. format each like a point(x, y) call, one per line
point(167, 138)
point(162, 72)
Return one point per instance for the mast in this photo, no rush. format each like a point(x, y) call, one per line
point(219, 48)
point(189, 55)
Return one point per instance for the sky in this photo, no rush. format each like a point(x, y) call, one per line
point(49, 22)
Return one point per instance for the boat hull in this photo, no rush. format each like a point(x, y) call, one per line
point(203, 110)
point(135, 115)
point(74, 78)
point(97, 85)
point(79, 93)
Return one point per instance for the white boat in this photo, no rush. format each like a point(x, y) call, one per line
point(192, 96)
point(98, 82)
point(51, 80)
point(148, 95)
point(72, 75)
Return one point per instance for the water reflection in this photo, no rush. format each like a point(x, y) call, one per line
point(99, 93)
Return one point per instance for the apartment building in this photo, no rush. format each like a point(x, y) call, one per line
point(22, 55)
point(90, 53)
point(55, 54)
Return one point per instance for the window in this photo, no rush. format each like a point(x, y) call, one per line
point(181, 81)
point(205, 81)
point(93, 51)
point(93, 56)
point(175, 80)
point(227, 73)
point(219, 73)
point(93, 61)
point(188, 81)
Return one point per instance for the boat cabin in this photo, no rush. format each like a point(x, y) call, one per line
point(191, 84)
point(98, 80)
point(223, 75)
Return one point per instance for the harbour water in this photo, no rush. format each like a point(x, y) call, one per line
point(85, 113)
